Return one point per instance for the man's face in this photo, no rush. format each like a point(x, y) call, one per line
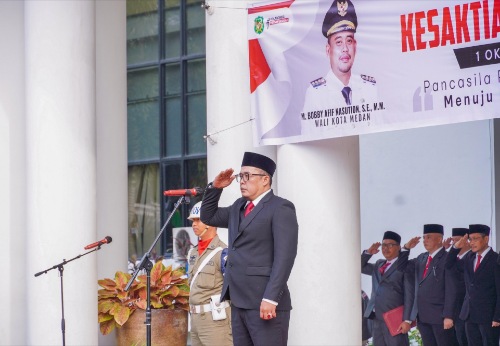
point(390, 249)
point(478, 242)
point(198, 226)
point(341, 50)
point(433, 241)
point(256, 184)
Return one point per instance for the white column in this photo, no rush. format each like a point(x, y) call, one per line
point(321, 178)
point(228, 92)
point(111, 113)
point(12, 175)
point(61, 169)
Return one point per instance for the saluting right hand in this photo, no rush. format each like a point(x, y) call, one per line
point(461, 243)
point(447, 243)
point(372, 250)
point(224, 178)
point(412, 243)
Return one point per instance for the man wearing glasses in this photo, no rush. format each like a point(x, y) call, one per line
point(391, 287)
point(435, 291)
point(481, 306)
point(263, 233)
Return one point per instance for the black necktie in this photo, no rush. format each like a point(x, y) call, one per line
point(346, 92)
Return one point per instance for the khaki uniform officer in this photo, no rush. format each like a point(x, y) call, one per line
point(210, 319)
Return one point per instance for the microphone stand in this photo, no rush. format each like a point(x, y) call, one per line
point(60, 267)
point(147, 266)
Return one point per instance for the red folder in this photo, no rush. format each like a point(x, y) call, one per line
point(393, 319)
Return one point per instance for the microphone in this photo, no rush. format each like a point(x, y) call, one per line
point(106, 240)
point(195, 191)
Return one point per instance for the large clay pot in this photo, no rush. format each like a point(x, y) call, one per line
point(168, 327)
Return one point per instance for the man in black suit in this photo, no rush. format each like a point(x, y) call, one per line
point(263, 234)
point(456, 235)
point(481, 307)
point(435, 291)
point(391, 287)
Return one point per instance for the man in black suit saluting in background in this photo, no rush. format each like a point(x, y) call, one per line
point(263, 234)
point(481, 307)
point(435, 291)
point(391, 287)
point(456, 235)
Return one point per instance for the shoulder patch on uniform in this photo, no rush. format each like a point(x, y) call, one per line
point(368, 79)
point(318, 82)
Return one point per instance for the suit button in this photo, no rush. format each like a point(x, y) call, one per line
point(234, 248)
point(230, 265)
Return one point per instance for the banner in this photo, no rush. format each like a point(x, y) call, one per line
point(324, 69)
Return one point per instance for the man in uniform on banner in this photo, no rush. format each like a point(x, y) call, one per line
point(340, 87)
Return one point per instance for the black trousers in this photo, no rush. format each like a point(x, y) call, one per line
point(482, 334)
point(460, 332)
point(382, 336)
point(250, 330)
point(436, 335)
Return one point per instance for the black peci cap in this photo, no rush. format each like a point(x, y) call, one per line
point(433, 228)
point(483, 229)
point(340, 17)
point(393, 236)
point(259, 161)
point(459, 232)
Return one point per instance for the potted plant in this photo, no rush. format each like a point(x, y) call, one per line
point(120, 309)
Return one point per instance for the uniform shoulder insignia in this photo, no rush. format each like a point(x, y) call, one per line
point(368, 79)
point(318, 82)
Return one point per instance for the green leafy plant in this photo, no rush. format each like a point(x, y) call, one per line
point(169, 290)
point(413, 336)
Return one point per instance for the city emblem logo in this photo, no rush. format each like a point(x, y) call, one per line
point(258, 25)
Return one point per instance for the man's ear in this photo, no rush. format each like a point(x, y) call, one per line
point(268, 180)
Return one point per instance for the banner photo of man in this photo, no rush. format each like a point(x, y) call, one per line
point(324, 69)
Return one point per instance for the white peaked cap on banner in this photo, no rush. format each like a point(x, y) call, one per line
point(195, 212)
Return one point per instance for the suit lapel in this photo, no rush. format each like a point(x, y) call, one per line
point(468, 262)
point(377, 267)
point(389, 271)
point(246, 221)
point(236, 219)
point(434, 263)
point(483, 263)
point(421, 268)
